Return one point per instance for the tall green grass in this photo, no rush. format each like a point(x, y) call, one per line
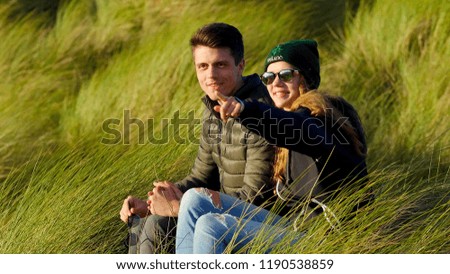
point(69, 66)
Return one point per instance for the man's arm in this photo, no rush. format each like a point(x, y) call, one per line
point(165, 198)
point(204, 172)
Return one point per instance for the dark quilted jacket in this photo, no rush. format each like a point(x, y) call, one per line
point(231, 158)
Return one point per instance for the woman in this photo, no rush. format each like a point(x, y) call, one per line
point(321, 147)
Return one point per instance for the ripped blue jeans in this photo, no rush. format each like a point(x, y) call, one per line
point(205, 226)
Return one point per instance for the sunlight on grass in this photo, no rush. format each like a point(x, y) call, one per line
point(68, 67)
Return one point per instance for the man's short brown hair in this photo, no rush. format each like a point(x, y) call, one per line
point(220, 35)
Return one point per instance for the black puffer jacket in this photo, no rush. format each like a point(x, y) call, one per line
point(321, 158)
point(231, 158)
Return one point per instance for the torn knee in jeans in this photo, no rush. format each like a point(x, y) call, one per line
point(213, 195)
point(226, 220)
point(220, 218)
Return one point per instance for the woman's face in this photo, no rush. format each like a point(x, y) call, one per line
point(283, 93)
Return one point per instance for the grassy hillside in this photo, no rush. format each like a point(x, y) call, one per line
point(73, 72)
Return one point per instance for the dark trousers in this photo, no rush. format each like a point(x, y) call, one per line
point(152, 235)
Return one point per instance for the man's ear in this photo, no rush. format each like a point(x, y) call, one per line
point(241, 66)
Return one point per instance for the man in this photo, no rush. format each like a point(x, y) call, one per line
point(230, 159)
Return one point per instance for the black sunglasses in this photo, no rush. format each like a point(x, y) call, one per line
point(285, 75)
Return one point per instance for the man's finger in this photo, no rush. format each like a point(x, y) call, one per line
point(222, 98)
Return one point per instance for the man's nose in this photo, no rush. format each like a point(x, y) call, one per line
point(212, 72)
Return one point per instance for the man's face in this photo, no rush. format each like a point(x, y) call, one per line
point(216, 70)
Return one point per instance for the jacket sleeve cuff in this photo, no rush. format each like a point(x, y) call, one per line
point(242, 104)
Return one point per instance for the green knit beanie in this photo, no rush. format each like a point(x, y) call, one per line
point(302, 54)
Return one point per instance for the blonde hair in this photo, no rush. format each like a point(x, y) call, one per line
point(323, 105)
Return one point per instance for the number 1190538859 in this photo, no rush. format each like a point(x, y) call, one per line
point(296, 264)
